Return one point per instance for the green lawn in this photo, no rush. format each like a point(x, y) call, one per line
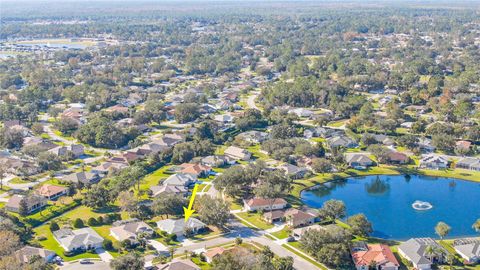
point(284, 233)
point(255, 219)
point(51, 244)
point(317, 264)
point(153, 178)
point(256, 152)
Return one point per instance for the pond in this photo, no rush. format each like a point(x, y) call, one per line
point(387, 202)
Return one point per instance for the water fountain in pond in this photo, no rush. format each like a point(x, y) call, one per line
point(422, 206)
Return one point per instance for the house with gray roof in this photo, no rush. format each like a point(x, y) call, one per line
point(356, 160)
point(180, 227)
point(81, 239)
point(85, 178)
point(341, 141)
point(131, 230)
point(180, 179)
point(469, 164)
point(469, 249)
point(167, 189)
point(293, 171)
point(433, 162)
point(26, 253)
point(416, 251)
point(32, 202)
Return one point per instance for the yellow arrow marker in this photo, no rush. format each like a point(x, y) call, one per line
point(189, 211)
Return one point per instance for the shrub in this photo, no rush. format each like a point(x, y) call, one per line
point(100, 220)
point(54, 226)
point(78, 223)
point(92, 222)
point(172, 237)
point(107, 244)
point(41, 238)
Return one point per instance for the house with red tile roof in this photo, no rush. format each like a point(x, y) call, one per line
point(52, 192)
point(211, 254)
point(195, 169)
point(365, 255)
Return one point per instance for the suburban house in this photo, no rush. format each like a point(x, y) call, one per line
point(465, 145)
point(223, 118)
point(298, 233)
point(365, 255)
point(180, 179)
point(293, 171)
point(297, 218)
point(237, 153)
point(356, 160)
point(292, 217)
point(179, 227)
point(130, 229)
point(472, 164)
point(415, 251)
point(469, 249)
point(217, 161)
point(161, 190)
point(80, 239)
point(108, 167)
point(179, 265)
point(395, 157)
point(85, 178)
point(341, 141)
point(253, 136)
point(257, 204)
point(77, 150)
point(52, 192)
point(301, 112)
point(211, 254)
point(196, 169)
point(32, 202)
point(26, 253)
point(433, 162)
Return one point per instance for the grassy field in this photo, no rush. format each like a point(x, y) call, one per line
point(255, 219)
point(284, 233)
point(317, 264)
point(154, 178)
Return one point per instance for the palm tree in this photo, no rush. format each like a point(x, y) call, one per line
point(172, 251)
point(431, 251)
point(476, 225)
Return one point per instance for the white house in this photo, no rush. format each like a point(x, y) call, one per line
point(131, 230)
point(433, 162)
point(179, 227)
point(469, 249)
point(414, 250)
point(81, 239)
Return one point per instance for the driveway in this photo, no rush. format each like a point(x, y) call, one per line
point(104, 255)
point(161, 248)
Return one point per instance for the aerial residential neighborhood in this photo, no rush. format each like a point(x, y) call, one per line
point(238, 135)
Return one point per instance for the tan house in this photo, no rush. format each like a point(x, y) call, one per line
point(237, 153)
point(32, 202)
point(257, 204)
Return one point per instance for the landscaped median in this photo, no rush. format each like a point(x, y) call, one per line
point(308, 259)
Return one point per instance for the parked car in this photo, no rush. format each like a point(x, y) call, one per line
point(85, 261)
